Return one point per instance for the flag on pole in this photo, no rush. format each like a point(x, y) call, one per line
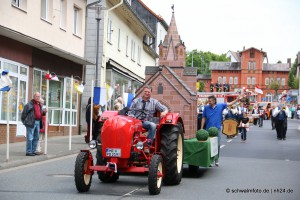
point(258, 90)
point(109, 92)
point(78, 88)
point(99, 96)
point(5, 81)
point(53, 77)
point(127, 99)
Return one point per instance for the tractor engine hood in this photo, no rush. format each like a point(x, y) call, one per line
point(117, 134)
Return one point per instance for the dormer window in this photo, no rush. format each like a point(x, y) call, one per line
point(252, 53)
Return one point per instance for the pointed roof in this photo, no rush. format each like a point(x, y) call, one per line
point(172, 34)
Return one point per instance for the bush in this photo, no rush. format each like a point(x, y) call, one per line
point(202, 135)
point(213, 131)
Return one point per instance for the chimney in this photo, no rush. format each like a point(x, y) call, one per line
point(289, 62)
point(243, 48)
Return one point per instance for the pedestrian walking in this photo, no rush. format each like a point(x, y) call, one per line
point(261, 112)
point(199, 113)
point(31, 117)
point(293, 111)
point(280, 115)
point(272, 118)
point(256, 115)
point(244, 125)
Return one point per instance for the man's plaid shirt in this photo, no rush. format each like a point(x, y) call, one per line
point(152, 105)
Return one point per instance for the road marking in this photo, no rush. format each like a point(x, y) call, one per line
point(130, 193)
point(229, 140)
point(222, 146)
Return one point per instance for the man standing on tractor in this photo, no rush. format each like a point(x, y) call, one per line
point(213, 116)
point(144, 109)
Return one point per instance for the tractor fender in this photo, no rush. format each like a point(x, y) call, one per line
point(171, 119)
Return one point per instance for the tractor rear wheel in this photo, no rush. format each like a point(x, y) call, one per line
point(83, 178)
point(105, 177)
point(172, 151)
point(155, 175)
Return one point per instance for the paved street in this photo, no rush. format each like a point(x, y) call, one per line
point(261, 168)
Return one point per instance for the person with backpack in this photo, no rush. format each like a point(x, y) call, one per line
point(280, 116)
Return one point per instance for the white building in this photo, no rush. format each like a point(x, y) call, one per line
point(128, 32)
point(37, 36)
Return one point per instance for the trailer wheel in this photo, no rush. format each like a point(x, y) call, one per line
point(155, 175)
point(83, 178)
point(172, 151)
point(103, 176)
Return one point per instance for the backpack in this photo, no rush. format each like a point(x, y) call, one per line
point(281, 116)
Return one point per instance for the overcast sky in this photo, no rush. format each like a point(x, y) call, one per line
point(221, 25)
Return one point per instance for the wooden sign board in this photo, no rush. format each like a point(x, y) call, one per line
point(230, 127)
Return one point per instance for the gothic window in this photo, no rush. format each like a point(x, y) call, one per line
point(160, 89)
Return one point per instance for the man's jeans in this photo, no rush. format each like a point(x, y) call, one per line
point(151, 127)
point(32, 137)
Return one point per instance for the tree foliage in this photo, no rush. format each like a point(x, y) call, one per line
point(201, 89)
point(201, 60)
point(296, 83)
point(293, 80)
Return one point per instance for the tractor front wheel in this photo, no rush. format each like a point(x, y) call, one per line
point(172, 151)
point(83, 178)
point(155, 175)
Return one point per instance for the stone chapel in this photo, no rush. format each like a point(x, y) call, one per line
point(174, 84)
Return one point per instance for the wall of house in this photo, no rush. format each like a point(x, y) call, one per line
point(257, 73)
point(28, 21)
point(118, 54)
point(32, 58)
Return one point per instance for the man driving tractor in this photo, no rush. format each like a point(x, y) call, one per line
point(149, 106)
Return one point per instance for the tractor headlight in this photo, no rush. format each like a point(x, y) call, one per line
point(93, 144)
point(139, 145)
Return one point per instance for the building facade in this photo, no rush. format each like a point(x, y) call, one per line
point(174, 84)
point(248, 69)
point(127, 43)
point(37, 37)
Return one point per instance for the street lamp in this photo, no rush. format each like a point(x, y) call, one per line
point(97, 13)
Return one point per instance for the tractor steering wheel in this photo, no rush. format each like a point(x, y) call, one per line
point(140, 114)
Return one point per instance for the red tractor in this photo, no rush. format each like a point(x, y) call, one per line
point(123, 147)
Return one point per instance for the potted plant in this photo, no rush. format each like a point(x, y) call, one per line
point(213, 132)
point(202, 135)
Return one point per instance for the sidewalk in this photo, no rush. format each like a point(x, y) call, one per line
point(57, 147)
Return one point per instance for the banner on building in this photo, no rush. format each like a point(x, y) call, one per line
point(5, 82)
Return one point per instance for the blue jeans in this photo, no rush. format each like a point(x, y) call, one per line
point(244, 134)
point(151, 127)
point(32, 137)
